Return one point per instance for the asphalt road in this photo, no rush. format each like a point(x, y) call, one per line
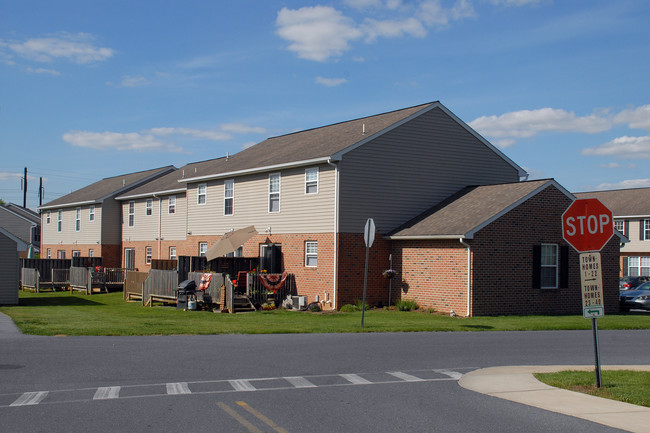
point(396, 382)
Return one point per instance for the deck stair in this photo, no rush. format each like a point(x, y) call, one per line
point(242, 304)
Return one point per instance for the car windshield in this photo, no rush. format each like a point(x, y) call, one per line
point(644, 286)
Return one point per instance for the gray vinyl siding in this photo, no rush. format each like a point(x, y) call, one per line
point(8, 271)
point(299, 212)
point(412, 168)
point(111, 222)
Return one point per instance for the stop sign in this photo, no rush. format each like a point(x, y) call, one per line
point(587, 225)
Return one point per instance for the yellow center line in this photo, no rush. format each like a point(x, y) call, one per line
point(239, 418)
point(262, 417)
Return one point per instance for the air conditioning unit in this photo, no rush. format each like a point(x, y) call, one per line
point(299, 302)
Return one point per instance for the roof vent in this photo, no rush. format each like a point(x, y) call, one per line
point(227, 156)
point(363, 129)
point(123, 182)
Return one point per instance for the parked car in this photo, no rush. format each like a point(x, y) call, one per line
point(638, 298)
point(629, 283)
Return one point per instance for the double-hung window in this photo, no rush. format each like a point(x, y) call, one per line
point(148, 254)
point(132, 213)
point(202, 193)
point(638, 266)
point(311, 181)
point(172, 253)
point(91, 213)
point(274, 192)
point(48, 217)
point(549, 266)
point(229, 197)
point(311, 254)
point(76, 253)
point(203, 247)
point(149, 206)
point(59, 222)
point(171, 209)
point(77, 220)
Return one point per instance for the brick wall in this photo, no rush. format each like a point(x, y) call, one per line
point(111, 254)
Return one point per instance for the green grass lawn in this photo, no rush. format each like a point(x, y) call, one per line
point(65, 313)
point(622, 385)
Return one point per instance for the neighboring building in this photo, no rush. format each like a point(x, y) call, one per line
point(9, 268)
point(497, 249)
point(24, 224)
point(631, 209)
point(87, 222)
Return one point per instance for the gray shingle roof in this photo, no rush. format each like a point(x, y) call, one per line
point(470, 209)
point(107, 187)
point(622, 202)
point(16, 224)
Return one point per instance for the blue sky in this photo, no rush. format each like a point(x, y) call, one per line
point(93, 89)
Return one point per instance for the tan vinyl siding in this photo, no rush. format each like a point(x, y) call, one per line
point(299, 212)
point(635, 245)
point(145, 227)
point(174, 226)
point(411, 168)
point(90, 231)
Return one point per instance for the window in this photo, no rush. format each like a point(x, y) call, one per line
point(129, 258)
point(203, 247)
point(76, 253)
point(147, 255)
point(131, 213)
point(60, 254)
point(619, 225)
point(202, 193)
point(91, 253)
point(228, 197)
point(274, 192)
point(645, 230)
point(639, 266)
point(172, 204)
point(311, 254)
point(77, 221)
point(149, 206)
point(172, 253)
point(549, 264)
point(59, 222)
point(49, 253)
point(91, 214)
point(48, 217)
point(311, 181)
point(239, 252)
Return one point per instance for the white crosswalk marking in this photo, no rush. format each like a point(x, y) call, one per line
point(404, 376)
point(355, 379)
point(107, 392)
point(30, 398)
point(178, 388)
point(453, 374)
point(300, 382)
point(242, 385)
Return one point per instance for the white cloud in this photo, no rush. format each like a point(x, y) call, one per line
point(5, 175)
point(207, 134)
point(515, 3)
point(42, 71)
point(128, 81)
point(318, 32)
point(331, 82)
point(622, 147)
point(392, 28)
point(527, 123)
point(631, 183)
point(240, 128)
point(635, 117)
point(76, 48)
point(118, 141)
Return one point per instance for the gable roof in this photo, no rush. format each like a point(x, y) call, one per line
point(623, 202)
point(471, 209)
point(319, 145)
point(16, 224)
point(107, 187)
point(24, 212)
point(169, 183)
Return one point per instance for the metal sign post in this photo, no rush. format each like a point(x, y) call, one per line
point(591, 281)
point(369, 238)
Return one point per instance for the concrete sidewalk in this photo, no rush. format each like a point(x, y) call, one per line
point(7, 327)
point(519, 385)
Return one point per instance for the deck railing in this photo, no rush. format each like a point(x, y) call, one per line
point(267, 288)
point(160, 286)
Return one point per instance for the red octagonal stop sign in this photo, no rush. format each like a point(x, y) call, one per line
point(587, 225)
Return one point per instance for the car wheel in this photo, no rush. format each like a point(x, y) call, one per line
point(624, 309)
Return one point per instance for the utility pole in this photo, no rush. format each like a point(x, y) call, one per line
point(40, 192)
point(25, 189)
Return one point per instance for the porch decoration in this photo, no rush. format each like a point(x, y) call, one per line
point(273, 282)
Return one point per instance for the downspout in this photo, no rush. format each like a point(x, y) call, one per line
point(336, 230)
point(469, 275)
point(159, 223)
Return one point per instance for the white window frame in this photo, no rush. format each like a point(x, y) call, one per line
point(129, 253)
point(91, 213)
point(201, 191)
point(619, 225)
point(48, 217)
point(311, 253)
point(646, 230)
point(638, 266)
point(203, 248)
point(59, 222)
point(274, 194)
point(172, 253)
point(131, 216)
point(77, 219)
point(91, 253)
point(60, 254)
point(148, 254)
point(171, 205)
point(49, 253)
point(229, 195)
point(149, 207)
point(546, 265)
point(311, 180)
point(76, 253)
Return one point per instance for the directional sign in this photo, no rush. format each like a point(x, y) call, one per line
point(587, 225)
point(591, 281)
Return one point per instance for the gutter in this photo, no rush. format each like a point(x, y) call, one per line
point(469, 284)
point(336, 230)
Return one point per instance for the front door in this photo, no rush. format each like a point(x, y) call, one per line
point(129, 258)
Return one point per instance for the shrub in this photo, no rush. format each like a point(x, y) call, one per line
point(314, 307)
point(359, 305)
point(349, 308)
point(406, 305)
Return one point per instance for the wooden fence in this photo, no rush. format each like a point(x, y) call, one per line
point(30, 279)
point(272, 288)
point(227, 265)
point(85, 280)
point(133, 282)
point(160, 286)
